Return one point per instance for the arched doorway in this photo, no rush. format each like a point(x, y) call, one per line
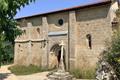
point(55, 56)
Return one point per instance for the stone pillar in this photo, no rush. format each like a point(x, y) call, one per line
point(45, 55)
point(72, 38)
point(29, 25)
point(15, 53)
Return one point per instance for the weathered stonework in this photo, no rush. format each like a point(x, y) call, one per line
point(94, 21)
point(39, 44)
point(72, 38)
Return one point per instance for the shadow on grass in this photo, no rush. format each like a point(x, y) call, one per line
point(4, 75)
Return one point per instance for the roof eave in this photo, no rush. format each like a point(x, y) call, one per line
point(68, 9)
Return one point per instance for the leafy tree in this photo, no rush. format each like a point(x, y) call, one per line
point(8, 25)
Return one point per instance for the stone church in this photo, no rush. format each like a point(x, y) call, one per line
point(83, 29)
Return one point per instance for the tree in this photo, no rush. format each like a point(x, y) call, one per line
point(8, 25)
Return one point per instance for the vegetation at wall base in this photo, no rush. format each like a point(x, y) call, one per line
point(7, 57)
point(112, 53)
point(26, 70)
point(83, 73)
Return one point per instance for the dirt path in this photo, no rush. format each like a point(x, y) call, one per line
point(37, 76)
point(5, 74)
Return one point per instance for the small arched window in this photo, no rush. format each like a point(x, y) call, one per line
point(89, 40)
point(38, 30)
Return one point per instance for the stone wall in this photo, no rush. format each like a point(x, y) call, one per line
point(57, 33)
point(53, 21)
point(21, 53)
point(39, 40)
point(29, 46)
point(96, 22)
point(43, 32)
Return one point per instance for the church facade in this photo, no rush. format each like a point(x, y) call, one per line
point(83, 29)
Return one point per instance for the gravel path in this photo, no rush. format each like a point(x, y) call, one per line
point(5, 74)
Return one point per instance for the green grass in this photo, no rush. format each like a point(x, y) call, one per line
point(25, 70)
point(83, 74)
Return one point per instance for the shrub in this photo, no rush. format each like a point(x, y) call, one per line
point(8, 54)
point(112, 54)
point(83, 73)
point(25, 70)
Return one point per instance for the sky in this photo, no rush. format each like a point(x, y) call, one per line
point(44, 6)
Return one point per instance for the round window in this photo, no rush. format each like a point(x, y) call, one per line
point(60, 21)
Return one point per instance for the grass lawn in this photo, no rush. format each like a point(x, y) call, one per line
point(83, 73)
point(25, 70)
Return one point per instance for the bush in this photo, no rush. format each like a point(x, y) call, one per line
point(83, 73)
point(8, 54)
point(25, 70)
point(112, 54)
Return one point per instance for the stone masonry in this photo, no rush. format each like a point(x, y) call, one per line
point(84, 31)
